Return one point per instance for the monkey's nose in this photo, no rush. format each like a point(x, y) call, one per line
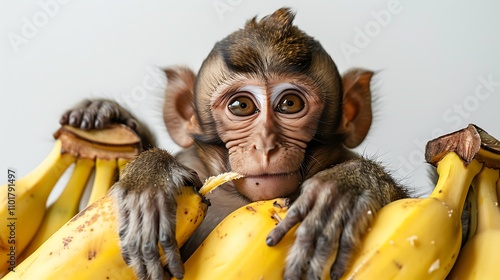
point(265, 143)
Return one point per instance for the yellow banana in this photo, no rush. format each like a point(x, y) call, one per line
point(418, 238)
point(105, 173)
point(87, 247)
point(64, 208)
point(23, 205)
point(236, 248)
point(479, 257)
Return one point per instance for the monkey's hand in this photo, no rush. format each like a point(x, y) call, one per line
point(335, 208)
point(147, 212)
point(100, 113)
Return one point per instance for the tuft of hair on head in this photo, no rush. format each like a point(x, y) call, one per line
point(270, 44)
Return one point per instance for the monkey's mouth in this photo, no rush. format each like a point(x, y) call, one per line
point(272, 175)
point(268, 185)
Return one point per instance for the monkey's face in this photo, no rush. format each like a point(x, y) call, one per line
point(266, 126)
point(262, 93)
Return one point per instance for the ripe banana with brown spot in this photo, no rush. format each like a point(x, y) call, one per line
point(236, 248)
point(23, 203)
point(421, 238)
point(87, 247)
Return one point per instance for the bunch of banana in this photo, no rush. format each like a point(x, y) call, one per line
point(87, 247)
point(420, 238)
point(409, 239)
point(32, 221)
point(478, 259)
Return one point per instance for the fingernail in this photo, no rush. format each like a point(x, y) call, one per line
point(98, 124)
point(72, 120)
point(269, 241)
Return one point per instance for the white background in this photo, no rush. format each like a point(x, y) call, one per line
point(432, 60)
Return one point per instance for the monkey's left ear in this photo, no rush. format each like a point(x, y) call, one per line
point(357, 107)
point(178, 108)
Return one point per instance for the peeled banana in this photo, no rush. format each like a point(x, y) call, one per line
point(87, 247)
point(479, 257)
point(28, 200)
point(236, 248)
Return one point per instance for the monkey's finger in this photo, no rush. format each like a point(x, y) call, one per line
point(66, 117)
point(75, 117)
point(328, 240)
point(363, 210)
point(326, 250)
point(130, 235)
point(89, 115)
point(297, 212)
point(105, 114)
point(149, 246)
point(118, 193)
point(167, 209)
point(310, 232)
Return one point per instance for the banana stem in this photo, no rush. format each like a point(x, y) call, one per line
point(454, 180)
point(487, 201)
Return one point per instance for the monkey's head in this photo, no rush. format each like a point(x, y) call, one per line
point(268, 102)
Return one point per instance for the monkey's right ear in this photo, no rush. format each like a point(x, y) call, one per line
point(178, 108)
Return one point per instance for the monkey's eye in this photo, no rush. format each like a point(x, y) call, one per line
point(242, 106)
point(290, 104)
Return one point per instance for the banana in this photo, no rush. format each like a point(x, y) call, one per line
point(87, 247)
point(236, 248)
point(64, 208)
point(105, 172)
point(420, 238)
point(27, 204)
point(479, 257)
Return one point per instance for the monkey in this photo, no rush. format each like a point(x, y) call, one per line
point(269, 103)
